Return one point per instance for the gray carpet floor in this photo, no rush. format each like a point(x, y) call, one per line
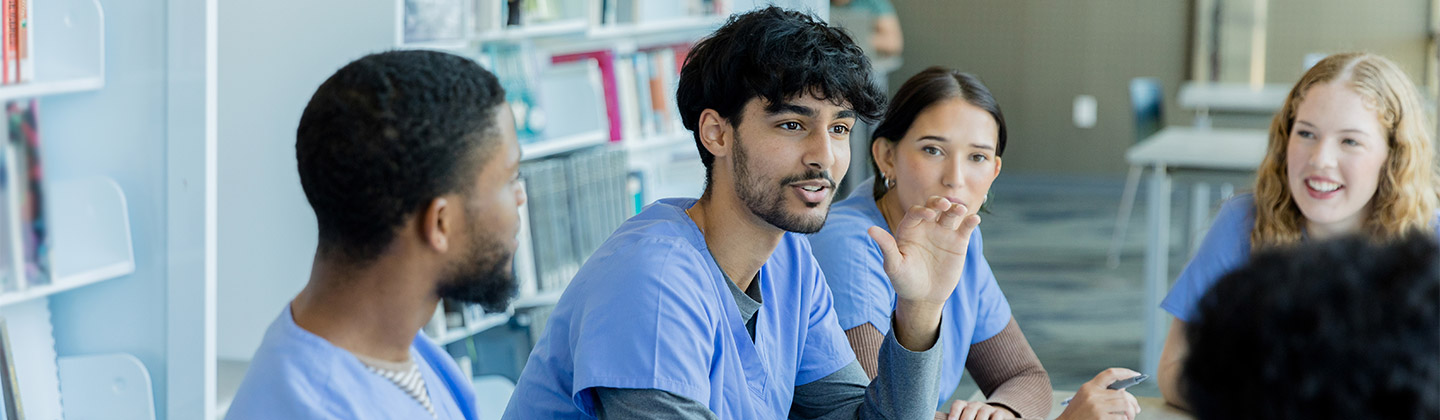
point(1046, 239)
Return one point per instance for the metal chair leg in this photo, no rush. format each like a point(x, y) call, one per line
point(1122, 220)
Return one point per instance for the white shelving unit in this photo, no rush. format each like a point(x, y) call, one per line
point(538, 299)
point(560, 29)
point(487, 322)
point(543, 148)
point(69, 53)
point(90, 233)
point(87, 216)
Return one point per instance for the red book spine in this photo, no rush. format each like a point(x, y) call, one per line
point(606, 59)
point(11, 22)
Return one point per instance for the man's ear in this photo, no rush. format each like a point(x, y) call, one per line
point(437, 224)
point(716, 134)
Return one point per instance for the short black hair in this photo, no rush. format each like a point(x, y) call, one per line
point(775, 54)
point(924, 89)
point(1345, 329)
point(384, 136)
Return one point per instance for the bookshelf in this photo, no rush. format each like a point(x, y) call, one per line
point(97, 173)
point(548, 147)
point(484, 323)
point(538, 299)
point(91, 234)
point(72, 35)
point(267, 231)
point(629, 58)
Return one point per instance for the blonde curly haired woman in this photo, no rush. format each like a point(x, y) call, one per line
point(1351, 152)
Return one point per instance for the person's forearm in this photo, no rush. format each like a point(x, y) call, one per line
point(865, 341)
point(1172, 360)
point(917, 324)
point(1169, 383)
point(1008, 372)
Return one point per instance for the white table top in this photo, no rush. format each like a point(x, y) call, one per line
point(1201, 148)
point(1233, 97)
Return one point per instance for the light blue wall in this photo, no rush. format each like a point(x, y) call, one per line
point(119, 132)
point(267, 232)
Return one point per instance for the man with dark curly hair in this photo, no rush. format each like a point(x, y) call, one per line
point(715, 308)
point(1337, 330)
point(410, 162)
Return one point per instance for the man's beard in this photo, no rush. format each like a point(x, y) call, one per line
point(768, 200)
point(486, 277)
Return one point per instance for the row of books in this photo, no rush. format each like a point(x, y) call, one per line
point(16, 44)
point(459, 20)
point(648, 11)
point(574, 202)
point(639, 89)
point(24, 248)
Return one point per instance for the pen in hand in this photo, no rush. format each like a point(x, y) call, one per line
point(1117, 385)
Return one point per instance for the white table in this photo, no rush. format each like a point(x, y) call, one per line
point(1204, 97)
point(1237, 97)
point(1182, 148)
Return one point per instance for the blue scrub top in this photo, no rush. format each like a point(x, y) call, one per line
point(298, 375)
point(1225, 248)
point(855, 270)
point(649, 310)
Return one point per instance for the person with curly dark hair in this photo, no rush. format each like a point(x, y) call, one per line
point(715, 308)
point(410, 162)
point(1343, 329)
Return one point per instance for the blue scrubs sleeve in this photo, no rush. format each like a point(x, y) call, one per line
point(992, 309)
point(1226, 247)
point(655, 333)
point(855, 272)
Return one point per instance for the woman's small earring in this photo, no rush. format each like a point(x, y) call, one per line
point(889, 182)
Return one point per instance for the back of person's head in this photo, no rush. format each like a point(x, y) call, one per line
point(384, 136)
point(929, 87)
point(1343, 329)
point(776, 55)
point(1406, 197)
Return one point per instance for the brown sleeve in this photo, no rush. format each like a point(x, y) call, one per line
point(1007, 371)
point(865, 341)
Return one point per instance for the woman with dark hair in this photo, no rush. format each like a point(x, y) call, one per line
point(943, 135)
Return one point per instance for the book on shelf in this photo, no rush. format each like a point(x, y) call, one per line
point(645, 82)
point(436, 20)
point(573, 94)
point(575, 202)
point(548, 11)
point(524, 260)
point(10, 32)
point(26, 249)
point(515, 67)
point(652, 11)
point(25, 66)
point(605, 61)
point(29, 196)
point(10, 406)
